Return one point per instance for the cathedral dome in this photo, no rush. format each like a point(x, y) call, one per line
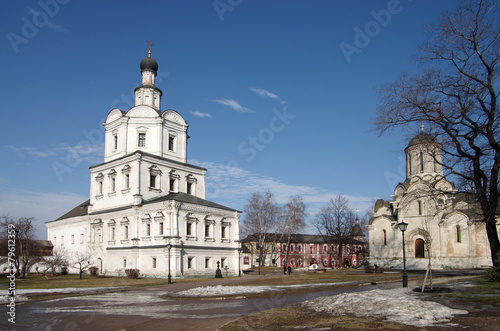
point(149, 64)
point(423, 138)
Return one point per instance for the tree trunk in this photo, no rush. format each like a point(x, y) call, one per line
point(491, 231)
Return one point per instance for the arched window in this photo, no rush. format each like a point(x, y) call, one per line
point(459, 238)
point(408, 157)
point(420, 207)
point(384, 237)
point(419, 249)
point(421, 162)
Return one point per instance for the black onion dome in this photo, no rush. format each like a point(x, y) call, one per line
point(423, 138)
point(149, 64)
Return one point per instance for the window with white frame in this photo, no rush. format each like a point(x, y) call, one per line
point(154, 177)
point(208, 263)
point(115, 140)
point(141, 140)
point(154, 262)
point(224, 231)
point(126, 178)
point(160, 228)
point(173, 180)
point(190, 262)
point(207, 230)
point(171, 143)
point(99, 184)
point(125, 232)
point(191, 184)
point(112, 181)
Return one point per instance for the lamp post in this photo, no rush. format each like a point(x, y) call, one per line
point(403, 226)
point(169, 247)
point(239, 262)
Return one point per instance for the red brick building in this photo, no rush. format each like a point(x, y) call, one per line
point(305, 250)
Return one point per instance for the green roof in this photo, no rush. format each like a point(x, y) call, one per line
point(188, 198)
point(82, 209)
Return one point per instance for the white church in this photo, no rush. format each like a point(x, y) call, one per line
point(147, 207)
point(444, 226)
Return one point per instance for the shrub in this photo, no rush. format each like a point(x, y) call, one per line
point(132, 273)
point(94, 271)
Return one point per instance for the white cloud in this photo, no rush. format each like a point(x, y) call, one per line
point(231, 185)
point(43, 18)
point(235, 105)
point(91, 153)
point(200, 114)
point(264, 93)
point(43, 206)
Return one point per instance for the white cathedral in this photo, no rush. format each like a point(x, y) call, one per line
point(443, 224)
point(147, 207)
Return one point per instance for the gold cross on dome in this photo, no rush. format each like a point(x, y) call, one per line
point(150, 43)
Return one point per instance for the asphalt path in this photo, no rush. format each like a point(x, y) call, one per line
point(143, 309)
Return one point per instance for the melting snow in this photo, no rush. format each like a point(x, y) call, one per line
point(219, 290)
point(395, 305)
point(4, 297)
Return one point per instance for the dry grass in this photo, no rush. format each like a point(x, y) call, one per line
point(339, 275)
point(38, 281)
point(294, 318)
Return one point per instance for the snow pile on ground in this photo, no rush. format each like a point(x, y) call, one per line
point(4, 297)
point(396, 305)
point(219, 290)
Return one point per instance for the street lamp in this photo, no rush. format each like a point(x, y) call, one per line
point(403, 226)
point(239, 261)
point(169, 247)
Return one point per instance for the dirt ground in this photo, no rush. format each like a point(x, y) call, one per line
point(483, 305)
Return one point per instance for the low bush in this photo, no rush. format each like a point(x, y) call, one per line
point(94, 271)
point(132, 273)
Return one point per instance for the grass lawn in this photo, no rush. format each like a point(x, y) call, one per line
point(309, 277)
point(38, 281)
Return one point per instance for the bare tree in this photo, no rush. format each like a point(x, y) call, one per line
point(456, 95)
point(83, 261)
point(59, 259)
point(261, 219)
point(335, 222)
point(292, 220)
point(27, 249)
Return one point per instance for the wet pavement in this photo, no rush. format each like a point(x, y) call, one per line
point(144, 309)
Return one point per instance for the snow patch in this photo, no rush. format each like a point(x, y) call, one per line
point(395, 305)
point(220, 290)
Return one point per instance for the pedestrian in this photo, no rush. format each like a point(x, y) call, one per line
point(289, 270)
point(284, 269)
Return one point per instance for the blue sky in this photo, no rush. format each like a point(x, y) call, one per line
point(279, 95)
